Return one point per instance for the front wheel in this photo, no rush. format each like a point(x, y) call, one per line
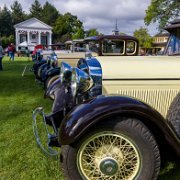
point(117, 149)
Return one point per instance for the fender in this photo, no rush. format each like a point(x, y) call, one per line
point(86, 115)
point(52, 88)
point(37, 65)
point(41, 68)
point(52, 72)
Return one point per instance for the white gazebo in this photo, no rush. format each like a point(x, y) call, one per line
point(33, 31)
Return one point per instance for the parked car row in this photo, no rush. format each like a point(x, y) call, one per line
point(113, 116)
point(45, 69)
point(104, 45)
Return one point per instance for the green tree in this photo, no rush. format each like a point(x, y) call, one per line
point(6, 40)
point(162, 11)
point(145, 40)
point(6, 26)
point(72, 23)
point(36, 10)
point(17, 13)
point(68, 25)
point(79, 34)
point(60, 26)
point(49, 14)
point(92, 32)
point(63, 38)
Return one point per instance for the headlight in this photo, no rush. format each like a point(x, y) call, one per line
point(80, 82)
point(93, 68)
point(65, 72)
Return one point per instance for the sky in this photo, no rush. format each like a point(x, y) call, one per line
point(101, 14)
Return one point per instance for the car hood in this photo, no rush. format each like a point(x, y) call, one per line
point(140, 67)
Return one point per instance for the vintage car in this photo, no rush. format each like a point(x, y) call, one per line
point(24, 49)
point(96, 46)
point(76, 45)
point(113, 118)
point(102, 45)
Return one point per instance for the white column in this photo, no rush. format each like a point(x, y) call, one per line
point(39, 37)
point(17, 39)
point(50, 38)
point(28, 37)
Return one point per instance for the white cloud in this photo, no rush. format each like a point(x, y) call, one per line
point(101, 14)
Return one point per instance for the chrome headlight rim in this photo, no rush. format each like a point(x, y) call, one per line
point(65, 72)
point(74, 84)
point(81, 82)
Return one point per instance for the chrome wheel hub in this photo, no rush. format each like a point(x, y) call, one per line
point(108, 166)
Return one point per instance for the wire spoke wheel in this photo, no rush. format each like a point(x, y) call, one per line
point(118, 149)
point(108, 155)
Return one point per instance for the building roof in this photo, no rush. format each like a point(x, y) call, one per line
point(33, 23)
point(162, 35)
point(101, 37)
point(176, 21)
point(174, 25)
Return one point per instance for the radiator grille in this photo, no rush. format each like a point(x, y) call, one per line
point(158, 99)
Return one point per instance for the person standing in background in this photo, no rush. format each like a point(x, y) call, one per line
point(11, 50)
point(1, 56)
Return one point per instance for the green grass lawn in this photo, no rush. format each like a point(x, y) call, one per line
point(20, 158)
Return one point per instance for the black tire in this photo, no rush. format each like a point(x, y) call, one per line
point(140, 139)
point(173, 115)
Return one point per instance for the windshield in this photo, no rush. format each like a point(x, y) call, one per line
point(92, 46)
point(115, 47)
point(80, 47)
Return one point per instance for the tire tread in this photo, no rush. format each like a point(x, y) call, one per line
point(173, 115)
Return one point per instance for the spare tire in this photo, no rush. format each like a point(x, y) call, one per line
point(173, 115)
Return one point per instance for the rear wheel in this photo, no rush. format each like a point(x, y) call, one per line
point(120, 150)
point(173, 115)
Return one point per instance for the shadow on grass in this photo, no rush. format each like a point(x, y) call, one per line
point(170, 171)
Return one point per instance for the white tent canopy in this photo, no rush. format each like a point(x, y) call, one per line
point(23, 44)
